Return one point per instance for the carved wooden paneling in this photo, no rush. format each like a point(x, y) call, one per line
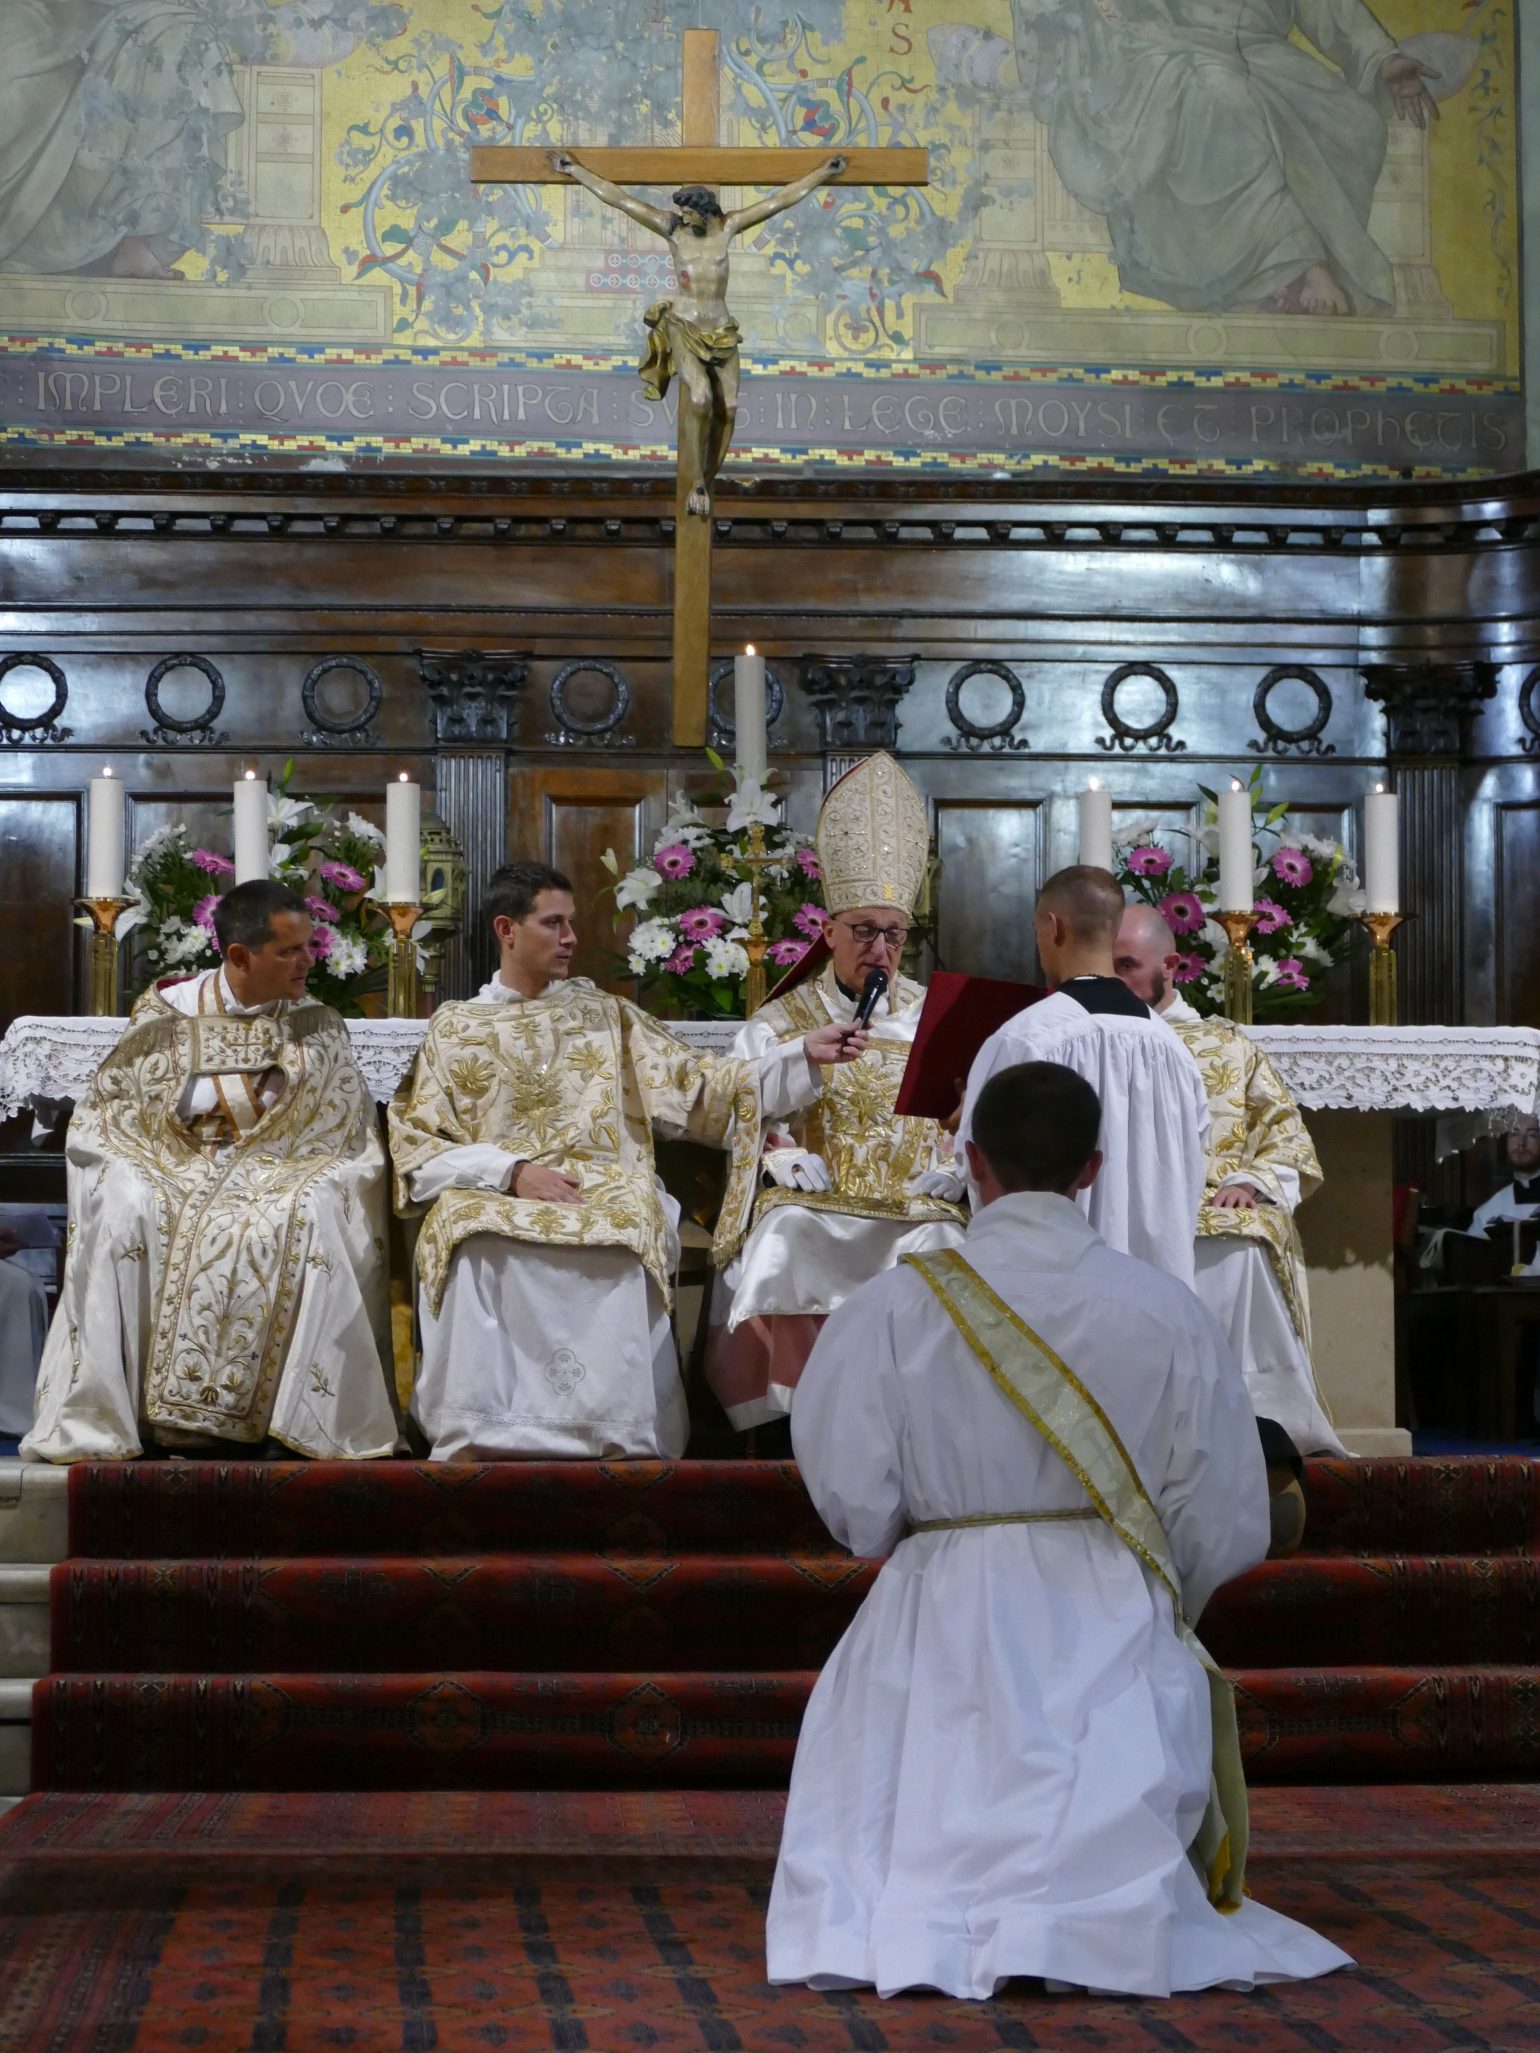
point(1517, 912)
point(569, 816)
point(38, 880)
point(991, 866)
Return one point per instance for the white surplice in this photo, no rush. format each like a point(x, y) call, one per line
point(1505, 1204)
point(330, 1397)
point(1006, 1758)
point(801, 1261)
point(1154, 1120)
point(555, 1352)
point(23, 1328)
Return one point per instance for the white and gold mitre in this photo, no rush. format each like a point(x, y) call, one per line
point(873, 838)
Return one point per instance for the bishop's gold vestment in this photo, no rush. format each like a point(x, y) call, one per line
point(225, 1280)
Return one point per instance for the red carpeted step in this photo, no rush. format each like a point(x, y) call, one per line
point(1389, 1724)
point(1417, 1611)
point(467, 1730)
point(1456, 1504)
point(159, 1510)
point(506, 1611)
point(590, 1730)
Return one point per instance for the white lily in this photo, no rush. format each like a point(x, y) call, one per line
point(738, 904)
point(285, 812)
point(637, 887)
point(750, 802)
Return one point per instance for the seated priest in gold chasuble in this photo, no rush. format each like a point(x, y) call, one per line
point(1262, 1165)
point(846, 1189)
point(522, 1138)
point(227, 1280)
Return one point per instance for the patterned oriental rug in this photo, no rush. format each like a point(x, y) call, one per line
point(254, 1625)
point(607, 1924)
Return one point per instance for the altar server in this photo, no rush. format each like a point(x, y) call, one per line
point(547, 1254)
point(1154, 1107)
point(1018, 1760)
point(1250, 1268)
point(846, 1188)
point(1521, 1198)
point(226, 1280)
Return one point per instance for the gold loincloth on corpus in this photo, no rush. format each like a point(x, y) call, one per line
point(668, 333)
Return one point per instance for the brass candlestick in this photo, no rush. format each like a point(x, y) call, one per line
point(102, 982)
point(1383, 1007)
point(756, 862)
point(1239, 964)
point(401, 984)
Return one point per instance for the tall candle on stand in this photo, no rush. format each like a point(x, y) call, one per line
point(1096, 827)
point(1235, 860)
point(1382, 859)
point(403, 841)
point(750, 735)
point(250, 828)
point(104, 838)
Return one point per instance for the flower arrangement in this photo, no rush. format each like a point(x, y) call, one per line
point(329, 859)
point(1307, 894)
point(695, 900)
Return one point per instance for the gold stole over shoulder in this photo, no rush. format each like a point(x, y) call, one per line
point(872, 1155)
point(236, 1234)
point(1052, 1399)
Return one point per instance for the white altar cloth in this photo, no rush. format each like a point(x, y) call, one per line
point(1326, 1068)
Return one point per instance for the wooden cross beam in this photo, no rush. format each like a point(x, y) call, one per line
point(698, 159)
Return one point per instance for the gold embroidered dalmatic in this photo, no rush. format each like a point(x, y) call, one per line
point(871, 1155)
point(1255, 1130)
point(198, 1253)
point(575, 1080)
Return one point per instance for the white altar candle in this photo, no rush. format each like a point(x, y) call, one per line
point(1235, 857)
point(751, 738)
point(250, 828)
point(1382, 860)
point(1096, 827)
point(104, 838)
point(403, 841)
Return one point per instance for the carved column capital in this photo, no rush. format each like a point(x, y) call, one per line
point(472, 693)
point(856, 698)
point(1429, 707)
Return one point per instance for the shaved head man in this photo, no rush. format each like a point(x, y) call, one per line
point(1154, 1107)
point(1145, 954)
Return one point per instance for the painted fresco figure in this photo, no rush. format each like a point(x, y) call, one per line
point(111, 116)
point(692, 336)
point(1234, 169)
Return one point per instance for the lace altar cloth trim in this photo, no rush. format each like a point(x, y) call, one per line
point(1350, 1069)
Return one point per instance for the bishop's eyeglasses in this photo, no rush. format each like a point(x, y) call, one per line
point(867, 931)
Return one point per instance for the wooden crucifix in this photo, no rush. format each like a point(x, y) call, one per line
point(693, 337)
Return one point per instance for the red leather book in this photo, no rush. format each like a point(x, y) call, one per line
point(958, 1017)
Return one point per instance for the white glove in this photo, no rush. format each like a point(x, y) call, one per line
point(796, 1169)
point(946, 1184)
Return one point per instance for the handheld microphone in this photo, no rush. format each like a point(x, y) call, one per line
point(876, 983)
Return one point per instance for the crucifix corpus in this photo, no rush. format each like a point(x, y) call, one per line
point(693, 337)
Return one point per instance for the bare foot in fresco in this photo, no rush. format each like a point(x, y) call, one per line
point(133, 258)
point(1314, 291)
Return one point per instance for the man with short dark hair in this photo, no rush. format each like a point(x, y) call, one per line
point(227, 1279)
point(1019, 1760)
point(1154, 1107)
point(523, 1133)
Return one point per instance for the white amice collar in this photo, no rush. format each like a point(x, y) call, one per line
point(231, 1003)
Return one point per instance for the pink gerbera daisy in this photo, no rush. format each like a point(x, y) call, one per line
point(344, 876)
point(322, 909)
point(674, 861)
point(788, 953)
point(321, 941)
point(701, 923)
point(1291, 974)
point(1292, 866)
point(1183, 912)
point(1271, 916)
point(808, 919)
point(807, 862)
point(203, 912)
point(682, 959)
point(1149, 861)
point(216, 865)
point(1188, 969)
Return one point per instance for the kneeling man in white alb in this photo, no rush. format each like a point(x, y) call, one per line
point(1019, 1760)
